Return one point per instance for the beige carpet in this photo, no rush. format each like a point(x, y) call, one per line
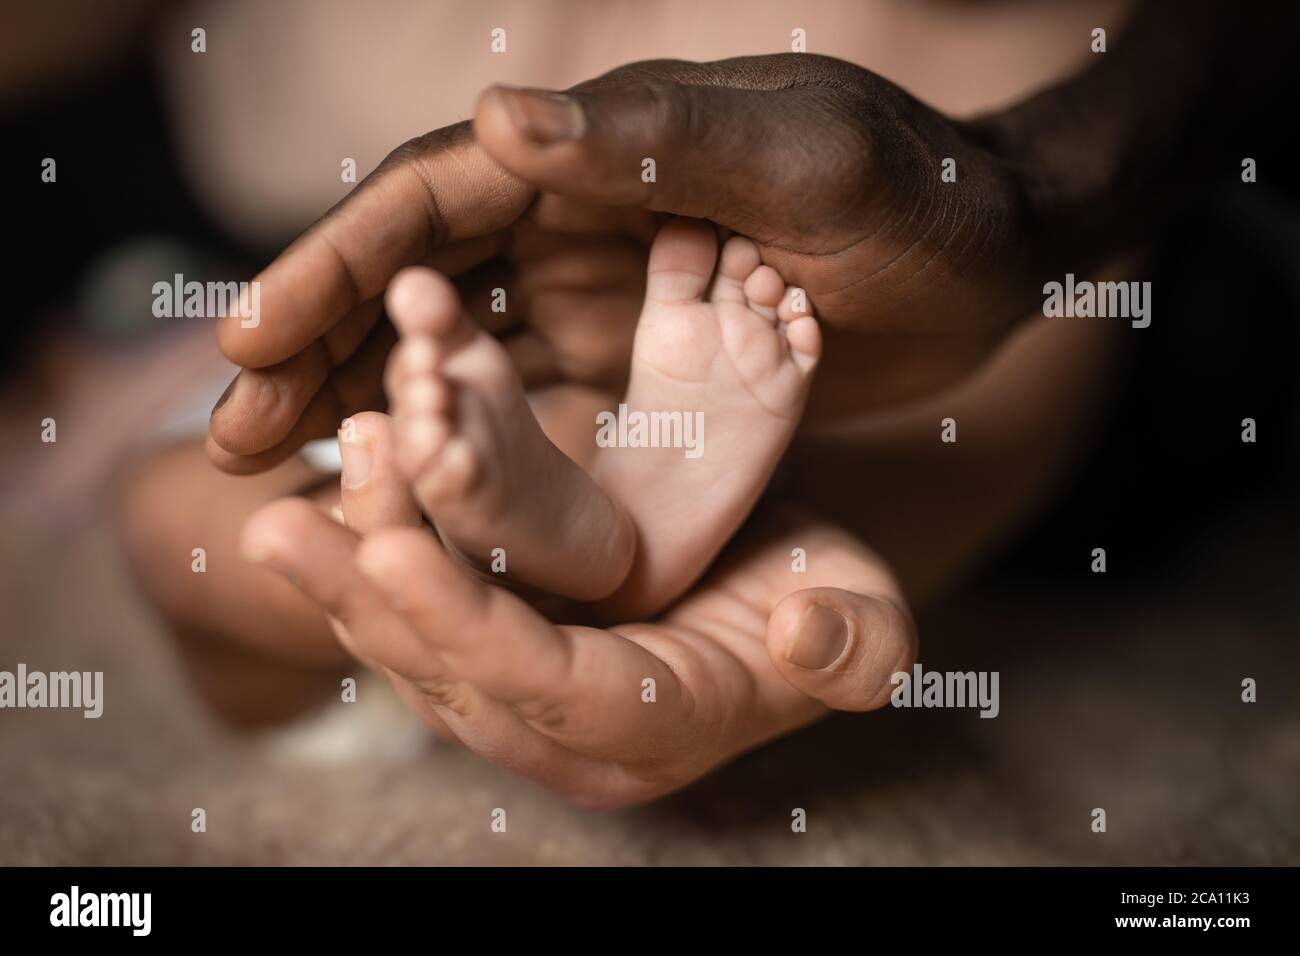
point(1127, 703)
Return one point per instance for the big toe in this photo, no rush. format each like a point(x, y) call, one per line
point(421, 301)
point(681, 261)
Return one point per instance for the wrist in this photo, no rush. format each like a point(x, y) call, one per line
point(1065, 192)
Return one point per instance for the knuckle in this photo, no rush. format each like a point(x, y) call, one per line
point(445, 691)
point(291, 384)
point(549, 704)
point(547, 713)
point(411, 159)
point(670, 111)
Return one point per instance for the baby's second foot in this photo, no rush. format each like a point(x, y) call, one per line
point(482, 469)
point(720, 371)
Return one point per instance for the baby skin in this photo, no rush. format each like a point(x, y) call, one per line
point(721, 341)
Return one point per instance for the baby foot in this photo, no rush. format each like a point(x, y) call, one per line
point(491, 481)
point(735, 366)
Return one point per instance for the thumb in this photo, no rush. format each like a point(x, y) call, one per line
point(840, 647)
point(704, 151)
point(373, 493)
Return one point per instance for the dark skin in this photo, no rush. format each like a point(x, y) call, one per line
point(833, 170)
point(859, 252)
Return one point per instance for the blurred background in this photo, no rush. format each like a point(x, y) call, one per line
point(1119, 690)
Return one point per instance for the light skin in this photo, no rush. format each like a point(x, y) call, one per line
point(567, 706)
point(755, 651)
point(719, 338)
point(261, 650)
point(913, 302)
point(830, 168)
point(848, 233)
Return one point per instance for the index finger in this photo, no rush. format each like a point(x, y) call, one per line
point(431, 198)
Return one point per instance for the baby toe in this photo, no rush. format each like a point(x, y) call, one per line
point(805, 338)
point(793, 304)
point(412, 359)
point(421, 301)
point(740, 257)
point(765, 287)
point(420, 439)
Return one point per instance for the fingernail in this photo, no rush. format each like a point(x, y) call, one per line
point(356, 455)
point(225, 396)
point(545, 117)
point(819, 638)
